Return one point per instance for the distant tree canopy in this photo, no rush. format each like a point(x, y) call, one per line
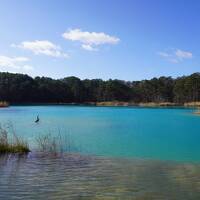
point(19, 88)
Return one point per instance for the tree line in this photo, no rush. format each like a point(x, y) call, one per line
point(20, 88)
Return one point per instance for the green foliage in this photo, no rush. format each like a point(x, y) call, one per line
point(19, 88)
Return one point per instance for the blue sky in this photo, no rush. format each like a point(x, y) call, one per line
point(123, 39)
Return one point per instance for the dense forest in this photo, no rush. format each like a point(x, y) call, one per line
point(20, 88)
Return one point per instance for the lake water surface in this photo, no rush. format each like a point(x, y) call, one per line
point(116, 153)
point(155, 133)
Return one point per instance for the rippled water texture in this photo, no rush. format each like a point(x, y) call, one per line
point(74, 177)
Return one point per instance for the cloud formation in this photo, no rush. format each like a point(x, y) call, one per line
point(44, 47)
point(88, 47)
point(15, 63)
point(176, 56)
point(183, 54)
point(90, 40)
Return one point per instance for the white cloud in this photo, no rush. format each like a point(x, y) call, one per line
point(183, 54)
point(15, 63)
point(88, 47)
point(176, 56)
point(44, 47)
point(89, 39)
point(163, 54)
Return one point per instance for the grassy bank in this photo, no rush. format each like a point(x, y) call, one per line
point(4, 104)
point(117, 103)
point(149, 104)
point(192, 104)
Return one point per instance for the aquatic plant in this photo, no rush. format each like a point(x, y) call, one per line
point(53, 143)
point(10, 142)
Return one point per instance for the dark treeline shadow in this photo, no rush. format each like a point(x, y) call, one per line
point(20, 88)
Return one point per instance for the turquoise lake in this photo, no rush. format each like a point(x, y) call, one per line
point(152, 133)
point(115, 153)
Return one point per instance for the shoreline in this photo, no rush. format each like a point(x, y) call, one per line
point(115, 104)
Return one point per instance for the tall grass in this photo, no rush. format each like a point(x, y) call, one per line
point(46, 143)
point(53, 143)
point(10, 142)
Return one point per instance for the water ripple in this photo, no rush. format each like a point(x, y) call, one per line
point(74, 177)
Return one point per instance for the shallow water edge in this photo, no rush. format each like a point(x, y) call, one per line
point(75, 176)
